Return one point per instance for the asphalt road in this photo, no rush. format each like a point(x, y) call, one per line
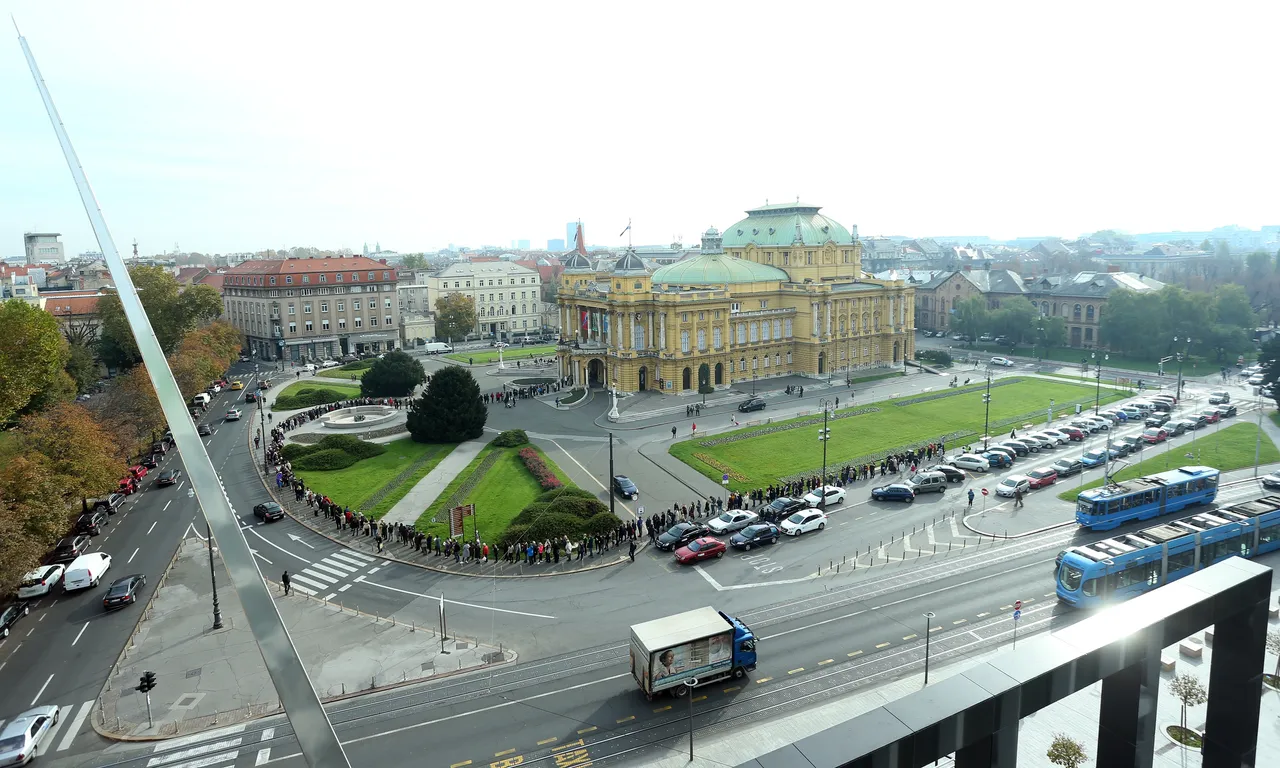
point(824, 635)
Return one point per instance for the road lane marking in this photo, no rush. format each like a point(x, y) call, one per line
point(882, 645)
point(374, 570)
point(984, 614)
point(758, 682)
point(333, 571)
point(321, 577)
point(41, 617)
point(277, 546)
point(166, 506)
point(628, 718)
point(153, 525)
point(825, 661)
point(656, 710)
point(268, 733)
point(457, 602)
point(959, 621)
point(203, 749)
point(586, 730)
point(345, 568)
point(46, 744)
point(344, 587)
point(854, 653)
point(81, 632)
point(342, 557)
point(734, 688)
point(793, 671)
point(135, 554)
point(264, 755)
point(503, 752)
point(330, 596)
point(911, 636)
point(935, 629)
point(303, 590)
point(701, 698)
point(358, 556)
point(304, 580)
point(85, 709)
point(41, 691)
point(459, 765)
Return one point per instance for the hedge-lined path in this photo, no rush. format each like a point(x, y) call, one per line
point(424, 494)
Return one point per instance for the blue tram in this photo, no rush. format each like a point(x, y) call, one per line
point(1110, 506)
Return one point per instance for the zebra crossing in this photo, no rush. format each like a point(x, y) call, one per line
point(334, 573)
point(70, 721)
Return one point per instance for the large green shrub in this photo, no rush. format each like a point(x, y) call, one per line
point(295, 451)
point(513, 534)
point(553, 526)
point(323, 461)
point(559, 493)
point(579, 507)
point(359, 365)
point(308, 397)
point(395, 375)
point(531, 513)
point(352, 445)
point(602, 523)
point(511, 438)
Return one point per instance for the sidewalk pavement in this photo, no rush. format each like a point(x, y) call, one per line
point(1076, 715)
point(425, 492)
point(208, 678)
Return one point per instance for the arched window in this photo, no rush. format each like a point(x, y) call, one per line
point(764, 331)
point(777, 329)
point(755, 363)
point(684, 341)
point(755, 332)
point(513, 309)
point(742, 364)
point(1044, 307)
point(524, 309)
point(716, 340)
point(777, 359)
point(742, 333)
point(1088, 313)
point(637, 333)
point(1075, 312)
point(702, 339)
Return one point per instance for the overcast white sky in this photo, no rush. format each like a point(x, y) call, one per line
point(239, 126)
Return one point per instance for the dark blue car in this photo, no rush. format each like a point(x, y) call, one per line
point(755, 536)
point(895, 492)
point(998, 459)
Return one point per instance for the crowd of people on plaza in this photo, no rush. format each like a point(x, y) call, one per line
point(509, 397)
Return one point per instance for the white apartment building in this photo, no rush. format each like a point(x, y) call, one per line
point(507, 295)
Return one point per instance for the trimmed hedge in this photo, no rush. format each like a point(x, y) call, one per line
point(560, 493)
point(333, 452)
point(359, 365)
point(568, 511)
point(308, 397)
point(511, 438)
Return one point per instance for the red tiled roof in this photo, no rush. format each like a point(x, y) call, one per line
point(68, 306)
point(213, 281)
point(340, 271)
point(191, 274)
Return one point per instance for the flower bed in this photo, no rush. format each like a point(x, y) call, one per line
point(725, 468)
point(541, 472)
point(736, 436)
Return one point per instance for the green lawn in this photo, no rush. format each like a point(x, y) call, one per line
point(510, 354)
point(345, 390)
point(338, 373)
point(362, 480)
point(759, 461)
point(507, 488)
point(1194, 367)
point(1225, 449)
point(1125, 383)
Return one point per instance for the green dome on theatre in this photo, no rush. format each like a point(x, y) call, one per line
point(717, 269)
point(782, 224)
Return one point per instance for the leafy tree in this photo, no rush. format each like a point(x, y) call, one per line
point(33, 514)
point(1270, 354)
point(82, 456)
point(1273, 645)
point(1055, 332)
point(1066, 752)
point(32, 355)
point(81, 365)
point(1257, 265)
point(1014, 319)
point(971, 317)
point(455, 316)
point(1206, 246)
point(1223, 251)
point(395, 375)
point(1231, 306)
point(130, 410)
point(1188, 690)
point(449, 410)
point(172, 309)
point(413, 261)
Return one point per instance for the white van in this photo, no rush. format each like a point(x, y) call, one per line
point(437, 347)
point(310, 367)
point(86, 571)
point(201, 399)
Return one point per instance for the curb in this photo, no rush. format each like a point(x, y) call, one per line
point(427, 567)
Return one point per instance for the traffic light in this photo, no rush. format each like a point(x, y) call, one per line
point(147, 682)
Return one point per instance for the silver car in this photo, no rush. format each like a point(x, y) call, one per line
point(22, 735)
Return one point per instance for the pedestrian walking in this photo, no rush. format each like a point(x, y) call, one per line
point(673, 433)
point(970, 497)
point(284, 579)
point(1017, 498)
point(631, 551)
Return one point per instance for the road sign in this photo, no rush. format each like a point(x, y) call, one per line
point(1017, 615)
point(984, 492)
point(724, 479)
point(1017, 605)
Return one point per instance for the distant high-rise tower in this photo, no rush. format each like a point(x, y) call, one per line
point(555, 246)
point(44, 248)
point(571, 232)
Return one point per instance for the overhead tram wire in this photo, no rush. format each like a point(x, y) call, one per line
point(315, 734)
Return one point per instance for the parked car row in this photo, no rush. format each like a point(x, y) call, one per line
point(693, 541)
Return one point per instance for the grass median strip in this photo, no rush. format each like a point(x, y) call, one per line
point(374, 485)
point(1223, 448)
point(509, 354)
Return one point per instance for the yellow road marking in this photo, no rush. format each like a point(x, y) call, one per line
point(570, 745)
point(793, 671)
point(1028, 600)
point(701, 698)
point(959, 621)
point(633, 717)
point(763, 680)
point(509, 762)
point(548, 741)
point(935, 629)
point(911, 636)
point(586, 730)
point(855, 653)
point(882, 645)
point(734, 688)
point(828, 661)
point(984, 614)
point(1006, 607)
point(503, 752)
point(459, 765)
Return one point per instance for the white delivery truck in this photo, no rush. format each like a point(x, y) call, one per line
point(437, 347)
point(690, 649)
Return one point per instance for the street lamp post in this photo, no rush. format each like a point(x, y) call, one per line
point(213, 578)
point(824, 435)
point(986, 420)
point(691, 683)
point(1097, 373)
point(928, 624)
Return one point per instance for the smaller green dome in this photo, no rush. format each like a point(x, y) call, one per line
point(718, 269)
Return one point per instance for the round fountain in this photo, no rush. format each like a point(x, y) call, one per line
point(359, 417)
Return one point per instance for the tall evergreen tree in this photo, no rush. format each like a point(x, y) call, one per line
point(395, 375)
point(449, 410)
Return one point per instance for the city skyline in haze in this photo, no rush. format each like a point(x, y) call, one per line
point(425, 126)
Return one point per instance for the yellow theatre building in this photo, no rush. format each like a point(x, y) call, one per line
point(781, 292)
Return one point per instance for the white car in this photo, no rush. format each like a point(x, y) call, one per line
point(23, 734)
point(1006, 362)
point(1061, 438)
point(1099, 425)
point(732, 520)
point(41, 581)
point(1014, 484)
point(233, 414)
point(831, 493)
point(1041, 440)
point(970, 461)
point(215, 388)
point(804, 522)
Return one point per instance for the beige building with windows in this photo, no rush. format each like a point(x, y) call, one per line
point(507, 296)
point(781, 292)
point(313, 308)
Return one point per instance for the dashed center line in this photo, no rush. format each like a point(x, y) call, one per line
point(793, 671)
point(911, 636)
point(883, 645)
point(854, 653)
point(503, 752)
point(586, 730)
point(629, 718)
point(763, 680)
point(548, 741)
point(825, 661)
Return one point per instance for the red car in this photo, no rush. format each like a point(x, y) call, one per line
point(138, 471)
point(1154, 435)
point(1211, 416)
point(1042, 477)
point(700, 549)
point(1076, 435)
point(128, 485)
